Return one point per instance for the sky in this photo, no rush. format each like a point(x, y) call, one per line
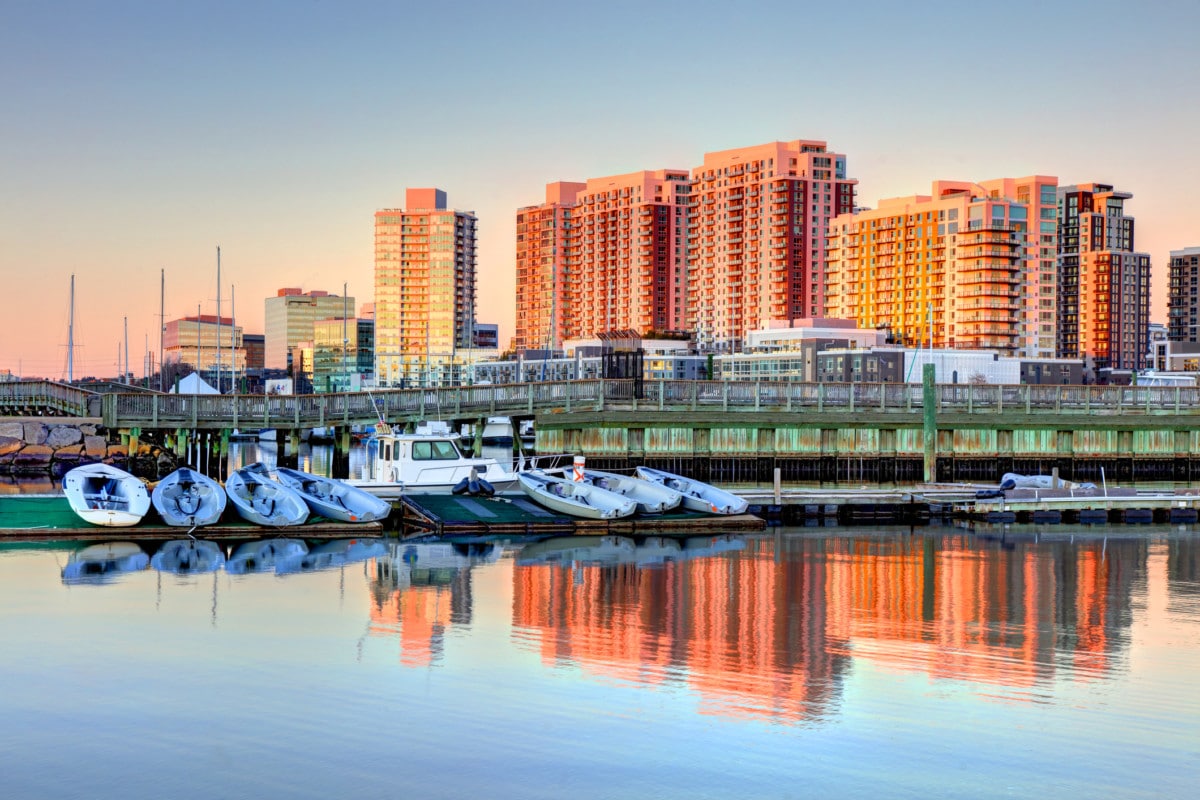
point(137, 137)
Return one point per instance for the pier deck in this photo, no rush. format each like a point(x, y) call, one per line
point(28, 517)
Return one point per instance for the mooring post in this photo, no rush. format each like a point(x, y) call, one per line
point(929, 404)
point(477, 441)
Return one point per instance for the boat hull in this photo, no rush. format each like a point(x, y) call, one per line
point(101, 494)
point(334, 499)
point(651, 498)
point(697, 496)
point(263, 501)
point(187, 498)
point(575, 499)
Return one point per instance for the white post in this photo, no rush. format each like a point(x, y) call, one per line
point(577, 469)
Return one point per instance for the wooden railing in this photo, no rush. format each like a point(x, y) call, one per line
point(287, 412)
point(409, 405)
point(19, 398)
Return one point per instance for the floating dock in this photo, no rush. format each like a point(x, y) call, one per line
point(511, 514)
point(32, 517)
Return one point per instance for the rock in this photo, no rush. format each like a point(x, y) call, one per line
point(12, 430)
point(35, 433)
point(33, 459)
point(10, 444)
point(63, 435)
point(95, 446)
point(88, 429)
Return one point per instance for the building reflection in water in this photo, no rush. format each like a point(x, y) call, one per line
point(772, 630)
point(420, 590)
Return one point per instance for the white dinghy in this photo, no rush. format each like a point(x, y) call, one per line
point(263, 501)
point(104, 495)
point(697, 496)
point(576, 499)
point(187, 498)
point(334, 499)
point(651, 498)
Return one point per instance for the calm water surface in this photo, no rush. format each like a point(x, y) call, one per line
point(836, 663)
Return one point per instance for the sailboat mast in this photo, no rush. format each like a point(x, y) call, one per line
point(71, 336)
point(218, 319)
point(345, 338)
point(127, 370)
point(232, 352)
point(162, 323)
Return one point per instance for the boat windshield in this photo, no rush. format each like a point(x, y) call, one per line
point(437, 450)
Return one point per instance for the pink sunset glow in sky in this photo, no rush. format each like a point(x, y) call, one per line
point(138, 136)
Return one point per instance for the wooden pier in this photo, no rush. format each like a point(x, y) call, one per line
point(50, 518)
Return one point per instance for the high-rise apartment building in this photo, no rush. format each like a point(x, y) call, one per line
point(626, 254)
point(1183, 299)
point(756, 236)
point(968, 266)
point(601, 256)
point(541, 268)
point(1103, 285)
point(424, 290)
point(288, 320)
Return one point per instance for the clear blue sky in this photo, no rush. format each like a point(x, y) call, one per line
point(137, 136)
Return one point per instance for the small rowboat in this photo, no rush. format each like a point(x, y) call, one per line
point(187, 498)
point(104, 495)
point(651, 498)
point(697, 496)
point(576, 499)
point(333, 499)
point(263, 501)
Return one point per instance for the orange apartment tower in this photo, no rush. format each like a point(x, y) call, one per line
point(756, 236)
point(968, 266)
point(605, 255)
point(424, 290)
point(1104, 286)
point(541, 268)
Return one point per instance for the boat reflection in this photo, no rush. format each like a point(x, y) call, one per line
point(100, 563)
point(329, 555)
point(188, 557)
point(263, 555)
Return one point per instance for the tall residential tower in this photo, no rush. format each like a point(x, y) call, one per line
point(1103, 285)
point(968, 266)
point(756, 236)
point(424, 291)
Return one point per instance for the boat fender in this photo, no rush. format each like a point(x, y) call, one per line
point(393, 475)
point(486, 488)
point(472, 486)
point(460, 487)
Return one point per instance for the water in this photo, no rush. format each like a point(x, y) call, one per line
point(848, 662)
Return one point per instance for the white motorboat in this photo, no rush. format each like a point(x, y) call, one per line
point(264, 555)
point(263, 501)
point(697, 496)
point(424, 463)
point(576, 499)
point(187, 498)
point(104, 495)
point(651, 498)
point(188, 557)
point(334, 499)
point(99, 562)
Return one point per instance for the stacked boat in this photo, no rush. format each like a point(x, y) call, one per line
point(592, 494)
